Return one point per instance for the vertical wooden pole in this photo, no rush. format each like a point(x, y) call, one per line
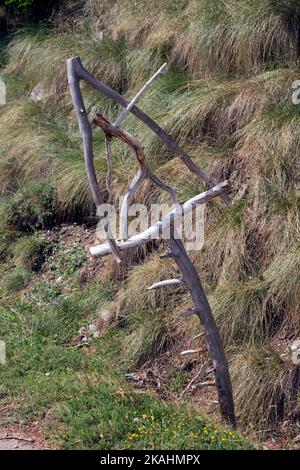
point(211, 331)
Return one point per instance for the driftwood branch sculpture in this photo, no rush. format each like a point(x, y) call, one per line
point(189, 275)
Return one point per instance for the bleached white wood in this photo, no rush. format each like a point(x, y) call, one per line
point(125, 111)
point(154, 231)
point(167, 282)
point(188, 352)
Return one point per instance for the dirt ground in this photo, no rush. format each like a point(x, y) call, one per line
point(20, 436)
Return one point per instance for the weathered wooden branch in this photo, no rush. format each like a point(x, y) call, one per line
point(86, 135)
point(135, 183)
point(211, 331)
point(167, 282)
point(159, 227)
point(138, 96)
point(190, 277)
point(198, 336)
point(207, 384)
point(163, 186)
point(82, 74)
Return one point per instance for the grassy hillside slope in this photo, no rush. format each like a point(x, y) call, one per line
point(226, 98)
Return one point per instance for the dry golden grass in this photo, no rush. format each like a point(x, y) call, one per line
point(264, 385)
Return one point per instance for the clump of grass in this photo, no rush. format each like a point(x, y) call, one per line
point(265, 385)
point(223, 37)
point(29, 252)
point(33, 207)
point(282, 278)
point(16, 280)
point(239, 311)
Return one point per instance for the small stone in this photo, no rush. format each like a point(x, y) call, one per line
point(41, 92)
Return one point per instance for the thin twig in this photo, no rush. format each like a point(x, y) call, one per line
point(198, 336)
point(16, 438)
point(138, 96)
point(109, 163)
point(191, 383)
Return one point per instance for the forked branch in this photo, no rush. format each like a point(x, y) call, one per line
point(144, 172)
point(82, 74)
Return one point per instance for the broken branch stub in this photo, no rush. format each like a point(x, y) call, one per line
point(188, 352)
point(166, 283)
point(139, 95)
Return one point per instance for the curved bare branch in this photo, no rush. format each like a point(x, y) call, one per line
point(86, 134)
point(112, 131)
